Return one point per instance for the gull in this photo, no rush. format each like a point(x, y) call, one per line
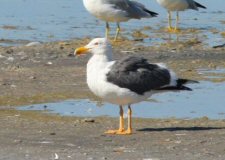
point(126, 81)
point(117, 11)
point(178, 5)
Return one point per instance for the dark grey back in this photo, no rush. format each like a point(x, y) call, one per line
point(132, 9)
point(138, 75)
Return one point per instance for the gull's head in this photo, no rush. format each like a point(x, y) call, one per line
point(99, 46)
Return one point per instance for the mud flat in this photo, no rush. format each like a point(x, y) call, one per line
point(31, 135)
point(49, 72)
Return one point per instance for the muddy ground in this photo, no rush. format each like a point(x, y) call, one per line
point(49, 72)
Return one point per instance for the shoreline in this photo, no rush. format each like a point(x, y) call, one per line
point(32, 74)
point(49, 72)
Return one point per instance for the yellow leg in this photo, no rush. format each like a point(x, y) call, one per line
point(176, 29)
point(121, 127)
point(117, 31)
point(129, 129)
point(170, 28)
point(121, 130)
point(107, 30)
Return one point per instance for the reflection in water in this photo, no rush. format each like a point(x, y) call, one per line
point(184, 37)
point(36, 21)
point(207, 99)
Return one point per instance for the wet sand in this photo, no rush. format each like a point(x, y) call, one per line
point(30, 135)
point(49, 72)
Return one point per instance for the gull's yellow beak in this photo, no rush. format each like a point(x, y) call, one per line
point(81, 50)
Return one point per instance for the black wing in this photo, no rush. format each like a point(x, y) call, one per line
point(194, 5)
point(138, 75)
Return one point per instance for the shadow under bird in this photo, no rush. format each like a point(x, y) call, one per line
point(117, 11)
point(178, 5)
point(126, 81)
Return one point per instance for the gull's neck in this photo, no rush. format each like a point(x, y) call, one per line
point(101, 57)
point(97, 66)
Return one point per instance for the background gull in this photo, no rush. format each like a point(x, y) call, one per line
point(178, 5)
point(117, 11)
point(126, 81)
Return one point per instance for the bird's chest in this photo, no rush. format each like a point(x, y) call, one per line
point(96, 79)
point(97, 8)
point(105, 11)
point(174, 5)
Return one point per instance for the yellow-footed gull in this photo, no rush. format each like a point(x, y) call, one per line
point(126, 81)
point(117, 11)
point(178, 5)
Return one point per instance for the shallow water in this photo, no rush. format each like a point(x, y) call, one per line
point(48, 20)
point(213, 74)
point(207, 99)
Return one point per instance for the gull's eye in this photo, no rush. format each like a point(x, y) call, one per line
point(96, 43)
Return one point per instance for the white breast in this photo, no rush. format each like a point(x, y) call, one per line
point(174, 5)
point(105, 11)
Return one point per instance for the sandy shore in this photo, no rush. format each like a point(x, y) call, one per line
point(29, 135)
point(49, 72)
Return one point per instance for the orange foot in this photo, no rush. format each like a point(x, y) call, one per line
point(170, 29)
point(116, 42)
point(119, 132)
point(173, 30)
point(176, 30)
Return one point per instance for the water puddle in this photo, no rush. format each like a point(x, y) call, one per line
point(36, 21)
point(213, 71)
point(207, 99)
point(216, 74)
